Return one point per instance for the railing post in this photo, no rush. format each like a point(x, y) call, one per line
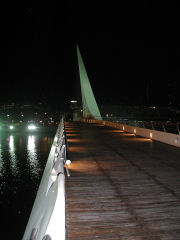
point(152, 125)
point(178, 128)
point(164, 129)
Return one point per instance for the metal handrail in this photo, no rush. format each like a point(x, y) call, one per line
point(164, 126)
point(47, 218)
point(68, 161)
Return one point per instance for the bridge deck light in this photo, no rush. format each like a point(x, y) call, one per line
point(11, 127)
point(68, 162)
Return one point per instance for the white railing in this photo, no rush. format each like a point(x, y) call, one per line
point(161, 136)
point(47, 219)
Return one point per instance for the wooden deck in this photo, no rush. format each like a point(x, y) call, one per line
point(121, 186)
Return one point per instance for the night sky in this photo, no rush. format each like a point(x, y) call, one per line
point(131, 52)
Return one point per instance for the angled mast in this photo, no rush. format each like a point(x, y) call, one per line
point(90, 107)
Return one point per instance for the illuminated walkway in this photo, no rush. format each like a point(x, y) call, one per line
point(121, 186)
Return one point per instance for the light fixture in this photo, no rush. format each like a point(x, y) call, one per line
point(68, 162)
point(31, 127)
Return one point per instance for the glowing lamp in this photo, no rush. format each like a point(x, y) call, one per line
point(68, 162)
point(31, 127)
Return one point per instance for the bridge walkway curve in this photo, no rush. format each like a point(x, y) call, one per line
point(121, 186)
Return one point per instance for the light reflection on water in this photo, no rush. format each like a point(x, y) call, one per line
point(32, 156)
point(22, 160)
point(12, 153)
point(1, 162)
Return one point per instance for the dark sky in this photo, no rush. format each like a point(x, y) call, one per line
point(131, 51)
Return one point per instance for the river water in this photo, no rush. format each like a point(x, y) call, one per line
point(22, 160)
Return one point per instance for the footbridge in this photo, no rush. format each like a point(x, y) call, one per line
point(123, 181)
point(121, 186)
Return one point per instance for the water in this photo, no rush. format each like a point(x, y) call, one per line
point(22, 160)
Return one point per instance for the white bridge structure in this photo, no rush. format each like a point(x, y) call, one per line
point(90, 107)
point(47, 219)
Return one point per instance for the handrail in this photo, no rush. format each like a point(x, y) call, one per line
point(47, 218)
point(68, 161)
point(170, 126)
point(150, 134)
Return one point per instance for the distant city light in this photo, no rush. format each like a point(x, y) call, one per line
point(31, 127)
point(73, 101)
point(152, 107)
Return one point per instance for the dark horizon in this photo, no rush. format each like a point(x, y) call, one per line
point(137, 62)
